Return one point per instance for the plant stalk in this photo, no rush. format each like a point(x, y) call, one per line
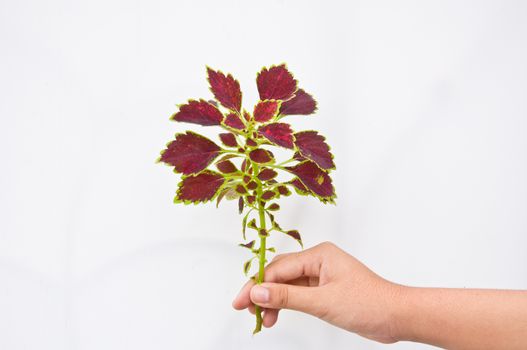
point(261, 252)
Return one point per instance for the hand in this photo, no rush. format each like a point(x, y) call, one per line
point(328, 283)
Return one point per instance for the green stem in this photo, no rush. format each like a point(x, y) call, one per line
point(286, 162)
point(262, 249)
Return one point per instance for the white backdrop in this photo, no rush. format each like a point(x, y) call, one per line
point(423, 104)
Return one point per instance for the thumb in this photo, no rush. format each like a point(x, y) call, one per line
point(287, 296)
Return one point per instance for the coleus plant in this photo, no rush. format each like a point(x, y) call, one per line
point(246, 169)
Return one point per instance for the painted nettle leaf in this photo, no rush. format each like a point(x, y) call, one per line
point(241, 166)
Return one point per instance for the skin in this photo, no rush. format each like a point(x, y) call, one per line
point(328, 283)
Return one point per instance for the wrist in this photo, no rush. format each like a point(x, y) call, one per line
point(400, 315)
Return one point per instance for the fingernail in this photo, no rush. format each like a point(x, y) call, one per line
point(260, 294)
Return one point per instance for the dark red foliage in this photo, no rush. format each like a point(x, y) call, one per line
point(221, 194)
point(314, 178)
point(246, 115)
point(298, 156)
point(299, 185)
point(267, 174)
point(302, 103)
point(190, 153)
point(247, 169)
point(267, 195)
point(241, 189)
point(241, 205)
point(295, 234)
point(265, 110)
point(232, 120)
point(199, 188)
point(313, 146)
point(249, 245)
point(275, 83)
point(228, 139)
point(251, 143)
point(283, 190)
point(273, 207)
point(198, 112)
point(260, 155)
point(225, 88)
point(227, 156)
point(278, 133)
point(226, 167)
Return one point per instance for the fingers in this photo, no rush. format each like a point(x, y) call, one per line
point(243, 300)
point(286, 267)
point(270, 317)
point(284, 296)
point(305, 281)
point(301, 268)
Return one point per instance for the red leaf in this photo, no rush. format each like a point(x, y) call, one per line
point(190, 153)
point(278, 133)
point(247, 266)
point(314, 178)
point(298, 156)
point(260, 155)
point(198, 112)
point(241, 205)
point(275, 83)
point(226, 167)
point(226, 89)
point(227, 156)
point(265, 110)
point(232, 120)
point(299, 185)
point(246, 115)
point(267, 174)
point(273, 207)
point(202, 187)
point(252, 185)
point(252, 224)
point(249, 245)
point(241, 189)
point(228, 139)
point(296, 235)
point(311, 145)
point(302, 103)
point(220, 196)
point(283, 190)
point(267, 195)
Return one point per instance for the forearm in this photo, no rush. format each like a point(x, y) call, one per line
point(463, 318)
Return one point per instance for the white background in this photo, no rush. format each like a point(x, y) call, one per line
point(423, 102)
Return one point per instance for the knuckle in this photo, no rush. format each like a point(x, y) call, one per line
point(277, 257)
point(327, 245)
point(282, 297)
